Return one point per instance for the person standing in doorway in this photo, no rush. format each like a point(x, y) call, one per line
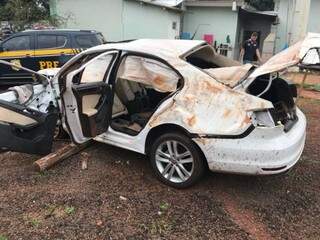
point(250, 50)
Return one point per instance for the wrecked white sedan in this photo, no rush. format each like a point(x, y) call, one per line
point(177, 101)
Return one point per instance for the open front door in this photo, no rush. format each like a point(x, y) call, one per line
point(88, 97)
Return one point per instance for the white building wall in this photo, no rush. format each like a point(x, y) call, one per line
point(118, 19)
point(145, 21)
point(314, 22)
point(300, 21)
point(219, 21)
point(293, 21)
point(101, 15)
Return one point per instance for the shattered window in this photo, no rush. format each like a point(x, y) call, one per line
point(95, 71)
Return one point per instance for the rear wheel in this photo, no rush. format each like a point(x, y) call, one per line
point(176, 160)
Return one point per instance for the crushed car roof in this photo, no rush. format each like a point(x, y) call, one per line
point(163, 48)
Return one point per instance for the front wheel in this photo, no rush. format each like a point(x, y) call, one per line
point(176, 160)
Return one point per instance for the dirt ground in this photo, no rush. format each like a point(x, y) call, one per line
point(118, 197)
point(298, 77)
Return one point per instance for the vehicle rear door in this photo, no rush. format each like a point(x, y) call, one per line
point(25, 129)
point(87, 97)
point(20, 51)
point(84, 40)
point(53, 49)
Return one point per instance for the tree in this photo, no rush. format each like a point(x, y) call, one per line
point(262, 5)
point(23, 13)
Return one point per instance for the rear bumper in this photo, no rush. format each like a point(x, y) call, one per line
point(264, 151)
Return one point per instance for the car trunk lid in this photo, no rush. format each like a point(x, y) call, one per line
point(305, 53)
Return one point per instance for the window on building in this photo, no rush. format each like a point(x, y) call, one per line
point(174, 25)
point(17, 43)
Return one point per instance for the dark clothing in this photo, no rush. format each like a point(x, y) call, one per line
point(250, 47)
point(247, 61)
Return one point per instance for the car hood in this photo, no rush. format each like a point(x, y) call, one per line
point(298, 53)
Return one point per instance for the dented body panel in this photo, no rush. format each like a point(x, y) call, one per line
point(264, 151)
point(205, 106)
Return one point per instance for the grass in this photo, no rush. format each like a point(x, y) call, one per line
point(3, 237)
point(35, 222)
point(162, 224)
point(41, 174)
point(314, 87)
point(160, 227)
point(164, 206)
point(69, 210)
point(50, 210)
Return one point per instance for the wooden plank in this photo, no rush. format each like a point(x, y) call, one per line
point(61, 154)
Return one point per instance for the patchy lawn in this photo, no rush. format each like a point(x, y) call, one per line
point(118, 197)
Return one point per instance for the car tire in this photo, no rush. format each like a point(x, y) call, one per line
point(168, 152)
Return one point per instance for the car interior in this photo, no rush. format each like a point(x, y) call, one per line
point(207, 58)
point(137, 94)
point(136, 103)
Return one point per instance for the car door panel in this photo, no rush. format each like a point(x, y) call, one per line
point(94, 101)
point(26, 130)
point(89, 103)
point(88, 97)
point(10, 116)
point(51, 52)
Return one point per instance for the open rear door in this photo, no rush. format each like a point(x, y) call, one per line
point(88, 97)
point(26, 130)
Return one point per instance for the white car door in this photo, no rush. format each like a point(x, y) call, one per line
point(87, 97)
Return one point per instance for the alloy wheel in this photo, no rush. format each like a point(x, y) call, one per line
point(174, 161)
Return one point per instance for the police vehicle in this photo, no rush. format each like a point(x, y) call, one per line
point(42, 49)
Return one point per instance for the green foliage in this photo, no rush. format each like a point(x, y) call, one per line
point(23, 13)
point(35, 222)
point(161, 227)
point(1, 236)
point(262, 5)
point(164, 206)
point(69, 210)
point(314, 87)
